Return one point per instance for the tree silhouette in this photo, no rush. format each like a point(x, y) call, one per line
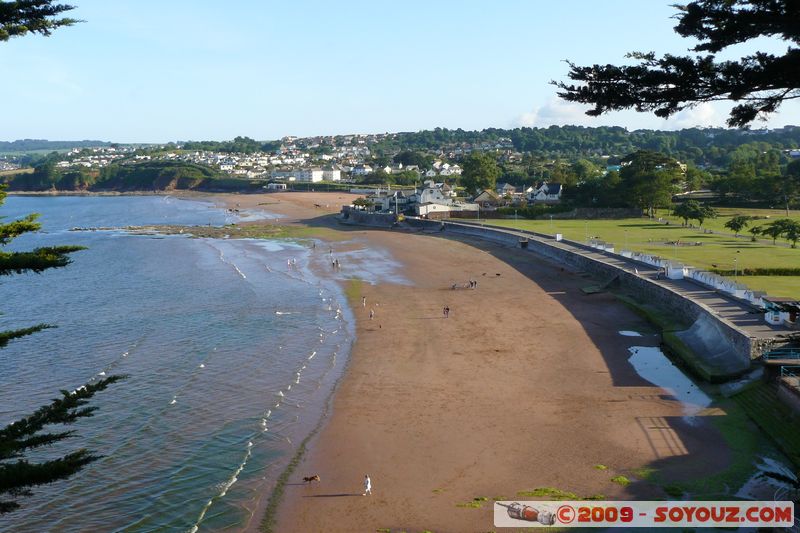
point(32, 16)
point(665, 85)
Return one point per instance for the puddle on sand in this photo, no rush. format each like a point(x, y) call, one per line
point(651, 364)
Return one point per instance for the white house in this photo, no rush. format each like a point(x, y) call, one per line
point(506, 189)
point(276, 187)
point(388, 201)
point(362, 170)
point(450, 170)
point(546, 192)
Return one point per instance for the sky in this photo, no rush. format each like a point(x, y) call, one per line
point(159, 71)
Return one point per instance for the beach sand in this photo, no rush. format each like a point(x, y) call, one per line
point(525, 385)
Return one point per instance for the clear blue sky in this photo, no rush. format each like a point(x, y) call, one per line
point(156, 70)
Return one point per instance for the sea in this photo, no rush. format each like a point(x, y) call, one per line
point(231, 349)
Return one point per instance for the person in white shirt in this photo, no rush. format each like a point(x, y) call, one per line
point(367, 486)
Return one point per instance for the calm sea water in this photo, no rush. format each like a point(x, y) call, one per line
point(231, 352)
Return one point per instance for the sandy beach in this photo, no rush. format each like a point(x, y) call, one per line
point(525, 385)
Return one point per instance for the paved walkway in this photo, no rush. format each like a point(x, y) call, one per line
point(740, 313)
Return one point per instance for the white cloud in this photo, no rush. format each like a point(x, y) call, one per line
point(556, 112)
point(701, 116)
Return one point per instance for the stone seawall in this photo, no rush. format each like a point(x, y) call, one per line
point(357, 216)
point(724, 349)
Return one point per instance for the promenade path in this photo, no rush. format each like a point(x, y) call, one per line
point(740, 313)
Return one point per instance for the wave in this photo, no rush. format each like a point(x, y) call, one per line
point(225, 488)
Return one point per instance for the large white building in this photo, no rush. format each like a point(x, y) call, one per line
point(332, 175)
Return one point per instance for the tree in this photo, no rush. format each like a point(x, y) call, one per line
point(791, 231)
point(703, 212)
point(649, 179)
point(694, 210)
point(754, 232)
point(738, 223)
point(666, 85)
point(790, 183)
point(362, 203)
point(775, 229)
point(32, 16)
point(17, 474)
point(684, 211)
point(480, 172)
point(408, 157)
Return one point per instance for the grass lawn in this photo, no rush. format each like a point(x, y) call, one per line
point(706, 251)
point(17, 171)
point(726, 213)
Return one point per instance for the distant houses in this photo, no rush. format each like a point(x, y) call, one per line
point(309, 175)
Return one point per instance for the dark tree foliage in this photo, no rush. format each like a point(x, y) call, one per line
point(480, 172)
point(18, 475)
point(694, 210)
point(759, 82)
point(244, 145)
point(32, 16)
point(649, 179)
point(36, 260)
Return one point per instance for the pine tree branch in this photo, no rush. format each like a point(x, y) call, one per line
point(32, 16)
point(37, 260)
point(14, 229)
point(18, 436)
point(664, 86)
point(17, 477)
point(6, 336)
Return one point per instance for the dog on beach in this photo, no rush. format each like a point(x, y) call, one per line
point(309, 479)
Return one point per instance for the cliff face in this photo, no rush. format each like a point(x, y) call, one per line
point(149, 176)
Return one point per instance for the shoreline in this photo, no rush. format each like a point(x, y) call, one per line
point(442, 411)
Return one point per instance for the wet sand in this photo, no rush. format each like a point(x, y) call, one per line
point(527, 384)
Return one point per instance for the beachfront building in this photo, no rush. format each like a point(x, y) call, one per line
point(332, 174)
point(432, 210)
point(276, 187)
point(431, 193)
point(310, 175)
point(388, 201)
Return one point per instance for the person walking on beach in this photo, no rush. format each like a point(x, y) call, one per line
point(367, 486)
point(446, 312)
point(363, 301)
point(371, 314)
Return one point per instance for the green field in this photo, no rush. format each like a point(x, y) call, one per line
point(15, 172)
point(706, 251)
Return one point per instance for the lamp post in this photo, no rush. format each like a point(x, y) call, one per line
point(735, 260)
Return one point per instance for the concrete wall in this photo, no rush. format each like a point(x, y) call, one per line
point(720, 344)
point(358, 216)
point(789, 395)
